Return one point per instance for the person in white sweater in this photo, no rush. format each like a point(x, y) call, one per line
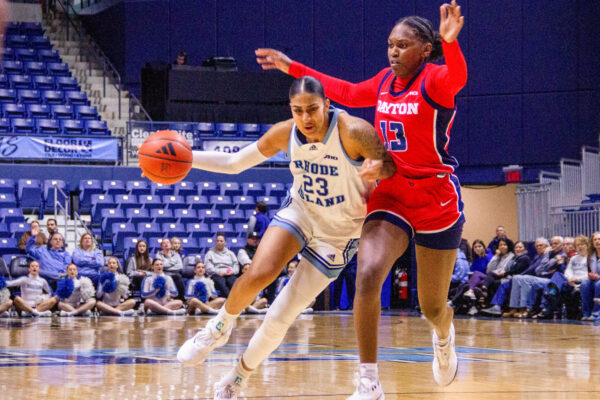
point(200, 293)
point(35, 299)
point(222, 265)
point(158, 289)
point(113, 292)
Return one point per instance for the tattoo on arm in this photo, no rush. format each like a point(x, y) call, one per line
point(370, 146)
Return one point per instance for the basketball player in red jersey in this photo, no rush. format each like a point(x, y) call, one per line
point(416, 106)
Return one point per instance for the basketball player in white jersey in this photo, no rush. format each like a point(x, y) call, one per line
point(335, 159)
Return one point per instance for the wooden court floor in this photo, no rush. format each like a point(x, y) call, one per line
point(134, 358)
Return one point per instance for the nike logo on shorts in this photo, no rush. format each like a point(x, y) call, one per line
point(444, 204)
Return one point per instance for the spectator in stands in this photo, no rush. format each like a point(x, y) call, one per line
point(245, 256)
point(113, 292)
point(590, 288)
point(221, 265)
point(53, 258)
point(569, 247)
point(182, 58)
point(172, 266)
point(289, 271)
point(500, 234)
point(481, 257)
point(51, 226)
point(35, 299)
point(75, 294)
point(200, 293)
point(466, 249)
point(41, 239)
point(139, 265)
point(88, 259)
point(259, 221)
point(348, 275)
point(496, 270)
point(461, 270)
point(157, 291)
point(177, 248)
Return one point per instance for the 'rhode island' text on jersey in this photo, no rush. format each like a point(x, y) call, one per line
point(326, 181)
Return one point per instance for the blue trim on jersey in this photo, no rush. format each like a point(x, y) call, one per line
point(408, 85)
point(291, 228)
point(332, 124)
point(392, 219)
point(296, 137)
point(320, 265)
point(383, 81)
point(456, 183)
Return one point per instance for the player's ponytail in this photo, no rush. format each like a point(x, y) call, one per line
point(423, 29)
point(307, 84)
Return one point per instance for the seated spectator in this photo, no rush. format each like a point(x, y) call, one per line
point(260, 221)
point(200, 293)
point(75, 294)
point(590, 289)
point(481, 257)
point(172, 266)
point(139, 265)
point(53, 258)
point(496, 270)
point(158, 290)
point(245, 256)
point(88, 259)
point(466, 249)
point(41, 239)
point(221, 265)
point(569, 247)
point(112, 294)
point(348, 275)
point(461, 270)
point(500, 234)
point(176, 247)
point(35, 299)
point(289, 272)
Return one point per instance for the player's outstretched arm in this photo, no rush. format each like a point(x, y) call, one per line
point(360, 140)
point(273, 59)
point(451, 21)
point(267, 146)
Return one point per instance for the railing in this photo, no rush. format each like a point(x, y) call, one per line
point(133, 102)
point(590, 178)
point(58, 206)
point(78, 223)
point(570, 182)
point(533, 211)
point(573, 222)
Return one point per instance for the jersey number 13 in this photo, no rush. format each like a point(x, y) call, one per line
point(396, 129)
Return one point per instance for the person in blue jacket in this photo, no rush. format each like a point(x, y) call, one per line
point(53, 258)
point(260, 221)
point(88, 259)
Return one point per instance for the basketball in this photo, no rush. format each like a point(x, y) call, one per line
point(165, 157)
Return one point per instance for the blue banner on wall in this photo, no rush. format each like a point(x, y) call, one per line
point(58, 148)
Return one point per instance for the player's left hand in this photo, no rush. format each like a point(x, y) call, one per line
point(371, 170)
point(451, 22)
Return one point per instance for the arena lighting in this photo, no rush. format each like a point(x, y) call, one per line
point(513, 173)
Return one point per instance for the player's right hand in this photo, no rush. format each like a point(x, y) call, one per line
point(273, 59)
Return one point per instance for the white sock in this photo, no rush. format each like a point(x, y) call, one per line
point(212, 311)
point(226, 319)
point(369, 370)
point(35, 312)
point(239, 374)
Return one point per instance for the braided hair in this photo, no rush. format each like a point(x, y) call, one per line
point(423, 29)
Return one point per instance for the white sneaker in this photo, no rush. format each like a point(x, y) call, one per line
point(127, 313)
point(308, 310)
point(5, 314)
point(195, 350)
point(25, 314)
point(180, 311)
point(445, 362)
point(366, 389)
point(227, 390)
point(64, 313)
point(87, 313)
point(46, 313)
point(473, 311)
point(470, 294)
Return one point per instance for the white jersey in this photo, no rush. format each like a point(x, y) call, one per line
point(326, 181)
point(34, 289)
point(148, 290)
point(210, 286)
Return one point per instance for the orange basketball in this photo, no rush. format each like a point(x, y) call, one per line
point(165, 157)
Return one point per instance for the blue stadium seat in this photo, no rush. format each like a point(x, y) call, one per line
point(29, 96)
point(76, 98)
point(154, 244)
point(138, 187)
point(235, 244)
point(234, 216)
point(12, 67)
point(264, 128)
point(54, 97)
point(198, 202)
point(13, 28)
point(150, 202)
point(270, 201)
point(4, 233)
point(249, 213)
point(17, 41)
point(111, 216)
point(61, 111)
point(49, 56)
point(137, 215)
point(241, 229)
point(87, 188)
point(48, 189)
point(206, 129)
point(185, 188)
point(185, 216)
point(19, 81)
point(161, 216)
point(275, 189)
point(253, 189)
point(39, 111)
point(158, 189)
point(97, 127)
point(149, 230)
point(198, 229)
point(174, 202)
point(48, 126)
point(174, 229)
point(25, 54)
point(32, 29)
point(17, 229)
point(8, 245)
point(58, 69)
point(120, 231)
point(86, 112)
point(114, 187)
point(221, 202)
point(11, 215)
point(190, 245)
point(208, 188)
point(11, 110)
point(206, 243)
point(230, 189)
point(129, 245)
point(99, 203)
point(227, 129)
point(244, 202)
point(73, 127)
point(8, 96)
point(210, 216)
point(67, 83)
point(8, 200)
point(7, 185)
point(8, 54)
point(23, 125)
point(40, 42)
point(29, 192)
point(126, 201)
point(5, 126)
point(251, 131)
point(35, 68)
point(4, 82)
